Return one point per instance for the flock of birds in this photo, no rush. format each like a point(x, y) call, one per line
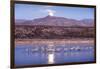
point(57, 49)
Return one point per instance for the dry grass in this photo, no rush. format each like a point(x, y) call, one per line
point(54, 41)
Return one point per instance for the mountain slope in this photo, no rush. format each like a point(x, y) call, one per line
point(57, 21)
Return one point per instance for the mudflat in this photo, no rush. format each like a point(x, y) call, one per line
point(54, 41)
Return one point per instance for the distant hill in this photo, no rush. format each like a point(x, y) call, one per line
point(52, 27)
point(56, 21)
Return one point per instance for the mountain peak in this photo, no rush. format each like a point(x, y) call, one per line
point(48, 16)
point(52, 17)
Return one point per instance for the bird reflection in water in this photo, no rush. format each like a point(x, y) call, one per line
point(52, 52)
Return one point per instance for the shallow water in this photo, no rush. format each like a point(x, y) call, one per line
point(43, 54)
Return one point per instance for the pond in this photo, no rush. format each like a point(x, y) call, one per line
point(33, 54)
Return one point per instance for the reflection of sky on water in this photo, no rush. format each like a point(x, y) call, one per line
point(42, 54)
